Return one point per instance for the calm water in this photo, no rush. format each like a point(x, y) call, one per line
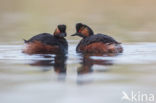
point(75, 78)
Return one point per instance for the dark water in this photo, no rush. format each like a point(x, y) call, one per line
point(75, 78)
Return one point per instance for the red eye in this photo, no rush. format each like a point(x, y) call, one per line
point(80, 30)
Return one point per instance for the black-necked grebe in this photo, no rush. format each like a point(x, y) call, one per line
point(98, 43)
point(46, 43)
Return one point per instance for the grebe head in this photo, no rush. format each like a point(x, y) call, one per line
point(60, 31)
point(83, 30)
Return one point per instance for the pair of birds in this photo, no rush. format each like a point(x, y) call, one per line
point(46, 43)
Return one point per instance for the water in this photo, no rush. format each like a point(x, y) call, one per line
point(75, 78)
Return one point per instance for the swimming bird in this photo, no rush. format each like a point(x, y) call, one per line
point(46, 43)
point(99, 43)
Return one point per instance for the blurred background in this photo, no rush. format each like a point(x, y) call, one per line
point(128, 21)
point(74, 78)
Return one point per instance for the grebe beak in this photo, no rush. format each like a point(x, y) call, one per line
point(76, 34)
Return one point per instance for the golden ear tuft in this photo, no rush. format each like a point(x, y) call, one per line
point(57, 31)
point(84, 31)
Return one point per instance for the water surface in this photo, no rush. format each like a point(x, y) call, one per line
point(75, 78)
